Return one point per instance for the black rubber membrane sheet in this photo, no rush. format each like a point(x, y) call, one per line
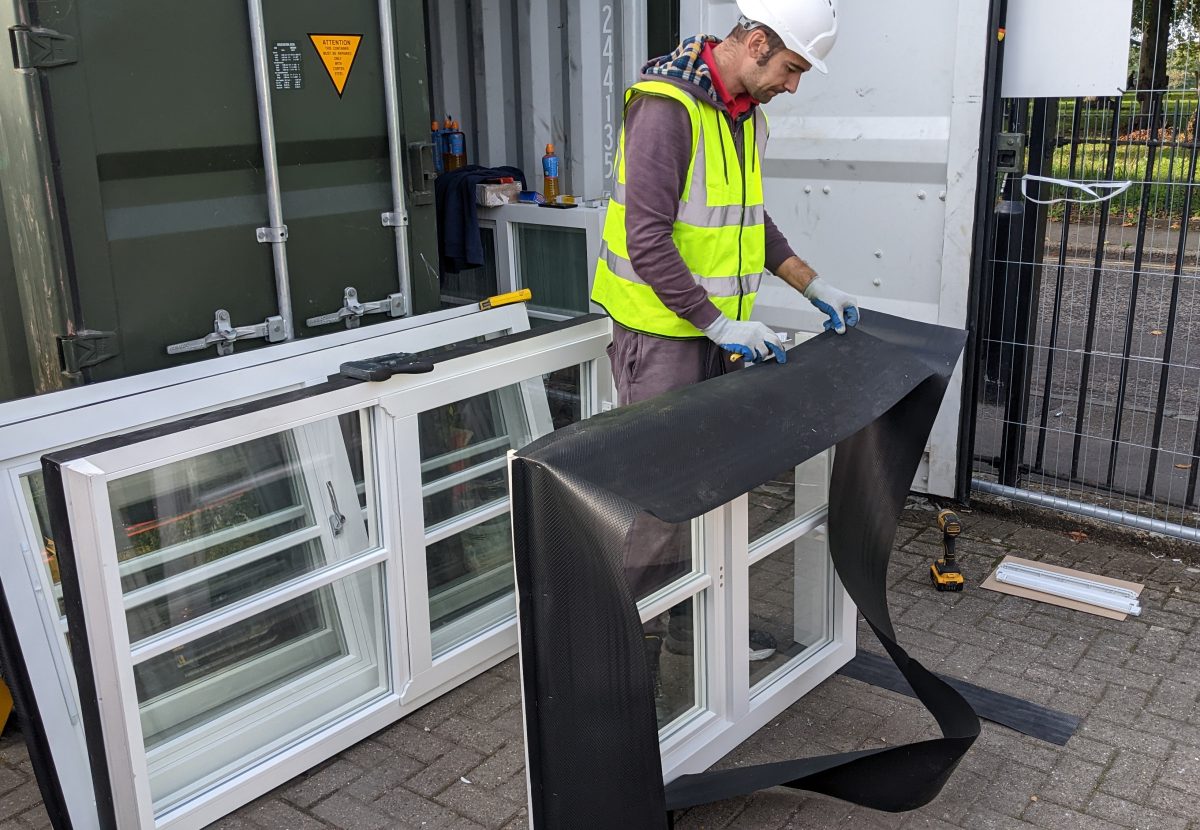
point(591, 729)
point(1049, 725)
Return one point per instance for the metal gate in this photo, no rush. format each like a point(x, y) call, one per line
point(1087, 374)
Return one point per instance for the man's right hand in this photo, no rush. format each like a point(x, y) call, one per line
point(751, 340)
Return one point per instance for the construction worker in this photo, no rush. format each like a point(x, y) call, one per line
point(687, 236)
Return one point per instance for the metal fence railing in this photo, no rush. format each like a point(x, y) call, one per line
point(1088, 394)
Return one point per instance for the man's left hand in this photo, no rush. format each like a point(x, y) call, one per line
point(841, 307)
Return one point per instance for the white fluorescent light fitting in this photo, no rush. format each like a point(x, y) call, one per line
point(1100, 594)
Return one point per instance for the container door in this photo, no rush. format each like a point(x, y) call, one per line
point(872, 173)
point(164, 192)
point(16, 380)
point(329, 95)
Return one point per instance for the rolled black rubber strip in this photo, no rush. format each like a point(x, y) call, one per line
point(591, 731)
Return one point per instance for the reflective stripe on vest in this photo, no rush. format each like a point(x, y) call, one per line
point(719, 228)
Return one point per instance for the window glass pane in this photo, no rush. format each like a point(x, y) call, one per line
point(793, 494)
point(470, 582)
point(161, 611)
point(672, 641)
point(657, 553)
point(474, 283)
point(565, 396)
point(196, 535)
point(220, 704)
point(354, 425)
point(554, 265)
point(791, 594)
point(464, 476)
point(34, 489)
point(463, 449)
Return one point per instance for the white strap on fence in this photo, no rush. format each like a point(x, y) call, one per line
point(1098, 191)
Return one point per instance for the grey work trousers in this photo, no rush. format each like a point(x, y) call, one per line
point(645, 366)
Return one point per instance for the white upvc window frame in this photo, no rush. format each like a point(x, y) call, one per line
point(33, 427)
point(413, 675)
point(503, 222)
point(430, 671)
point(729, 710)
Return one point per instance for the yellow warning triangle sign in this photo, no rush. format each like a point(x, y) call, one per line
point(337, 53)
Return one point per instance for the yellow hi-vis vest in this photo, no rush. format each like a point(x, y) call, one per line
point(718, 230)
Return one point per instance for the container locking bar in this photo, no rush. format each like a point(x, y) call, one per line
point(225, 334)
point(352, 311)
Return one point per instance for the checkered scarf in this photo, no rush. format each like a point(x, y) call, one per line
point(684, 64)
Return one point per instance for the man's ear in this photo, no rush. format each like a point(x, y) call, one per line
point(756, 44)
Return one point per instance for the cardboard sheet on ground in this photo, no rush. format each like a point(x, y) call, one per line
point(591, 731)
point(993, 584)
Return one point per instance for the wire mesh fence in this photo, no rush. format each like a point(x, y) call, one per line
point(1089, 388)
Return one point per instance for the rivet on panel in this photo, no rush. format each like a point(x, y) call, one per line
point(826, 190)
point(921, 194)
point(808, 188)
point(879, 254)
point(878, 282)
point(942, 195)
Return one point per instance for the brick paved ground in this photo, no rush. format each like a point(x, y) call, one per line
point(1135, 761)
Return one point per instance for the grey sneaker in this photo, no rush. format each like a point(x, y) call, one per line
point(680, 640)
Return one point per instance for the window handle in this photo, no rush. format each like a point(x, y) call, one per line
point(337, 522)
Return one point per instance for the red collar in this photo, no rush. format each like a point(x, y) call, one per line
point(737, 106)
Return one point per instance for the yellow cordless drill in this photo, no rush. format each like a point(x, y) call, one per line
point(944, 572)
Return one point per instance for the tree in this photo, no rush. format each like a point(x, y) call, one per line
point(1164, 32)
point(1152, 20)
point(1159, 26)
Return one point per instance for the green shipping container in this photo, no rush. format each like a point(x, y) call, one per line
point(164, 161)
point(16, 379)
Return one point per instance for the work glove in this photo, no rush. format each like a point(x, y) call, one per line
point(753, 341)
point(840, 306)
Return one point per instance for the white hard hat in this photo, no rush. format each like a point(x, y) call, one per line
point(808, 27)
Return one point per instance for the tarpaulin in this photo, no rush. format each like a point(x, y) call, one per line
point(591, 729)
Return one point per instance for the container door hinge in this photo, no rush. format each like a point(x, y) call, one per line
point(352, 311)
point(36, 48)
point(225, 334)
point(85, 349)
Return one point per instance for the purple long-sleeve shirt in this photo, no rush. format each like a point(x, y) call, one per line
point(658, 141)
